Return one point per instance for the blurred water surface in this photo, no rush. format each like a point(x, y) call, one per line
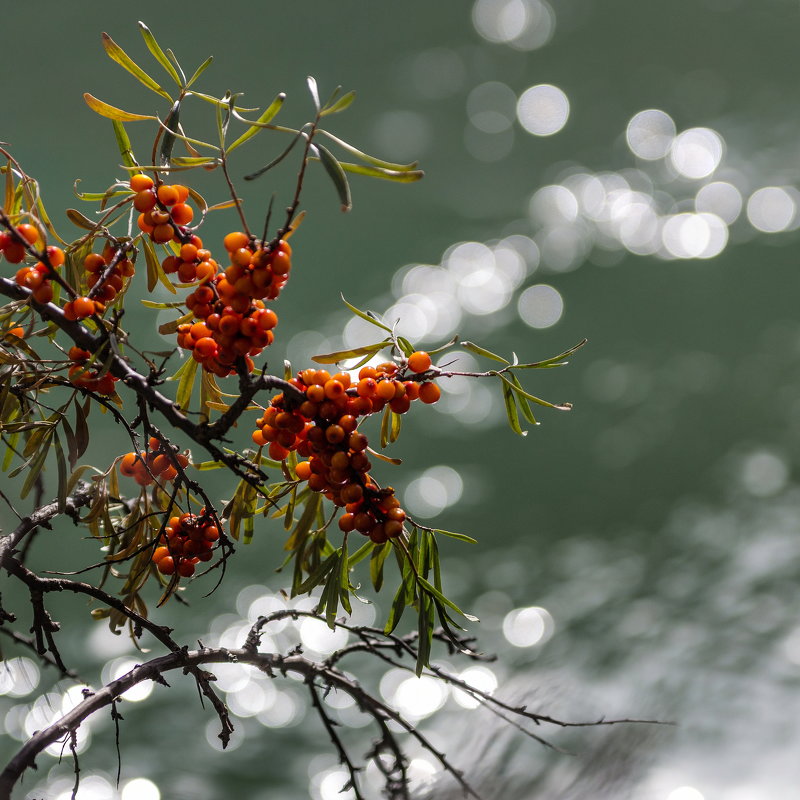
point(621, 171)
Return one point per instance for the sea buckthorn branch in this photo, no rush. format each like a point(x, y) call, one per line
point(201, 434)
point(320, 677)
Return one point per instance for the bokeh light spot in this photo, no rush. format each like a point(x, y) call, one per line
point(540, 306)
point(543, 109)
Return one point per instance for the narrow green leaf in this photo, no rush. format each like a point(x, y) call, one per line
point(63, 474)
point(116, 53)
point(76, 218)
point(151, 261)
point(462, 537)
point(160, 306)
point(123, 143)
point(112, 112)
point(396, 612)
point(312, 88)
point(356, 352)
point(482, 351)
point(511, 411)
point(337, 175)
point(316, 577)
point(428, 587)
point(199, 71)
point(168, 138)
point(555, 361)
point(376, 563)
point(366, 315)
point(397, 421)
point(425, 631)
point(35, 467)
point(339, 105)
point(158, 53)
point(344, 578)
point(260, 123)
point(386, 420)
point(184, 394)
point(538, 400)
point(523, 401)
point(360, 554)
point(405, 346)
point(398, 176)
point(378, 162)
point(206, 465)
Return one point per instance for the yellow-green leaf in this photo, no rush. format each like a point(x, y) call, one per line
point(112, 112)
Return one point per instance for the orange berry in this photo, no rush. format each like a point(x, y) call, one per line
point(126, 465)
point(17, 331)
point(185, 569)
point(144, 201)
point(333, 389)
point(429, 392)
point(347, 522)
point(303, 470)
point(277, 452)
point(168, 195)
point(419, 361)
point(235, 241)
point(385, 390)
point(182, 214)
point(140, 182)
point(166, 566)
point(162, 233)
point(83, 307)
point(55, 255)
point(28, 232)
point(183, 192)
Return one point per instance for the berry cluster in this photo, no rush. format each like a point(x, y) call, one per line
point(146, 467)
point(37, 277)
point(96, 266)
point(163, 209)
point(12, 245)
point(322, 429)
point(80, 374)
point(186, 540)
point(233, 321)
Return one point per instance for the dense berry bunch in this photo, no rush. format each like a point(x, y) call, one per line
point(81, 374)
point(106, 273)
point(233, 321)
point(13, 245)
point(36, 277)
point(146, 467)
point(164, 210)
point(187, 540)
point(323, 429)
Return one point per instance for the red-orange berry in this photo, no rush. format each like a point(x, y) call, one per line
point(429, 392)
point(419, 361)
point(140, 182)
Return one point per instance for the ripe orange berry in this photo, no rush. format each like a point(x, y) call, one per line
point(234, 241)
point(182, 214)
point(28, 232)
point(55, 255)
point(185, 569)
point(162, 233)
point(126, 466)
point(144, 201)
point(385, 390)
point(168, 195)
point(17, 331)
point(429, 392)
point(303, 470)
point(166, 565)
point(83, 307)
point(419, 361)
point(140, 182)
